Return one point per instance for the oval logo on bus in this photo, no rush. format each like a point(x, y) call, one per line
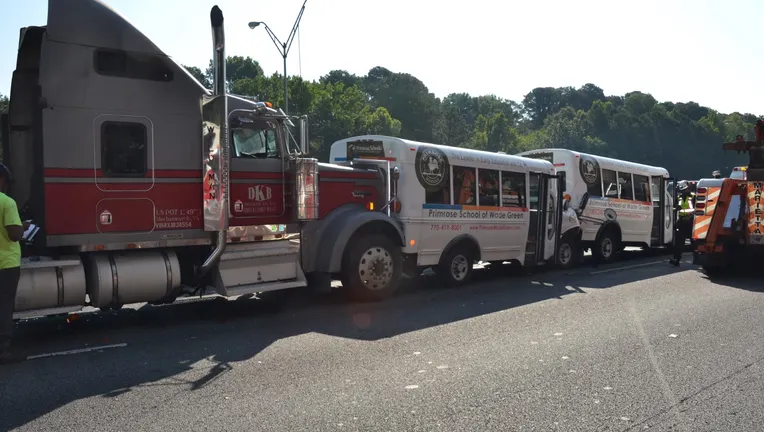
point(610, 214)
point(431, 168)
point(590, 170)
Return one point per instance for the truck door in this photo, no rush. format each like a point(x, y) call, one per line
point(544, 211)
point(258, 181)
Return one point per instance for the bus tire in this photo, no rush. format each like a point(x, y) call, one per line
point(371, 268)
point(455, 269)
point(606, 246)
point(569, 252)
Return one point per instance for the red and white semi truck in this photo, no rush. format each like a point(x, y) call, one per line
point(148, 187)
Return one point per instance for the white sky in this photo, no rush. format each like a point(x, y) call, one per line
point(678, 50)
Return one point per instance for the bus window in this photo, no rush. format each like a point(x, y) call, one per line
point(489, 187)
point(464, 186)
point(512, 189)
point(655, 189)
point(441, 196)
point(641, 188)
point(610, 182)
point(624, 181)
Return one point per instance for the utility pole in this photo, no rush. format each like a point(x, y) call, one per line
point(283, 48)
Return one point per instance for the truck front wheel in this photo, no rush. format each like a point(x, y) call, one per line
point(371, 268)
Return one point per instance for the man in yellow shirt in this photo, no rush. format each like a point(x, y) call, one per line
point(683, 224)
point(11, 233)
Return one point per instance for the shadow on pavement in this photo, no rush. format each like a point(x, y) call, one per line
point(745, 277)
point(165, 341)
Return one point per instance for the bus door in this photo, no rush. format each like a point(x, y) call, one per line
point(663, 213)
point(544, 211)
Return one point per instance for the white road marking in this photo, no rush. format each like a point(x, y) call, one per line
point(627, 267)
point(76, 351)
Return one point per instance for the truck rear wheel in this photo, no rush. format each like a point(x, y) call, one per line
point(371, 268)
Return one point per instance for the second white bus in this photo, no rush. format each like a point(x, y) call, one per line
point(628, 203)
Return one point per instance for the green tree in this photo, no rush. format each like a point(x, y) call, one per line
point(409, 100)
point(339, 112)
point(683, 137)
point(3, 103)
point(199, 75)
point(237, 67)
point(495, 133)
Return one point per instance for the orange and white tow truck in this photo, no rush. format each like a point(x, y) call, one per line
point(728, 220)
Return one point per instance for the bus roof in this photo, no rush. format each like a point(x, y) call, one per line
point(457, 155)
point(608, 162)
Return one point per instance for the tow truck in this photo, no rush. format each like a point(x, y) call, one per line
point(738, 172)
point(147, 187)
point(728, 227)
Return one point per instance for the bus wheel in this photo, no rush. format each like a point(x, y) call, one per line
point(371, 268)
point(456, 268)
point(606, 246)
point(568, 253)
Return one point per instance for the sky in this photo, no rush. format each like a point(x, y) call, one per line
point(677, 50)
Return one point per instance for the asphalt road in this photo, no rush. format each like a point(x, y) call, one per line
point(632, 346)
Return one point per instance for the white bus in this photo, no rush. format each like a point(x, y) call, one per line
point(458, 206)
point(627, 204)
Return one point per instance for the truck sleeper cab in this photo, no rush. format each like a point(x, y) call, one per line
point(458, 206)
point(627, 203)
point(148, 186)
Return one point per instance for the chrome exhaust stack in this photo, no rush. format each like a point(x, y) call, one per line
point(215, 150)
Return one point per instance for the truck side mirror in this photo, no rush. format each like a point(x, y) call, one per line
point(304, 140)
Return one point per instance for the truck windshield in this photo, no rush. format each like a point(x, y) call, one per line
point(256, 139)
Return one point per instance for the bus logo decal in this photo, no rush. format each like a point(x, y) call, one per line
point(590, 170)
point(431, 168)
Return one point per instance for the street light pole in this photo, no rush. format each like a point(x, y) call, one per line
point(283, 48)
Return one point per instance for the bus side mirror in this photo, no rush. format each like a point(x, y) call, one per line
point(304, 139)
point(396, 173)
point(584, 202)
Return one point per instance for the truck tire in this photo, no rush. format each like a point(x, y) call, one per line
point(569, 252)
point(455, 268)
point(371, 268)
point(606, 246)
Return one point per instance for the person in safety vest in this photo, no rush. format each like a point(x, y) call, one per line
point(683, 225)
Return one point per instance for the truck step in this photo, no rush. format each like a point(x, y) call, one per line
point(258, 267)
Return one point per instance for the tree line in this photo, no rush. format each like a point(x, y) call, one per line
point(685, 138)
